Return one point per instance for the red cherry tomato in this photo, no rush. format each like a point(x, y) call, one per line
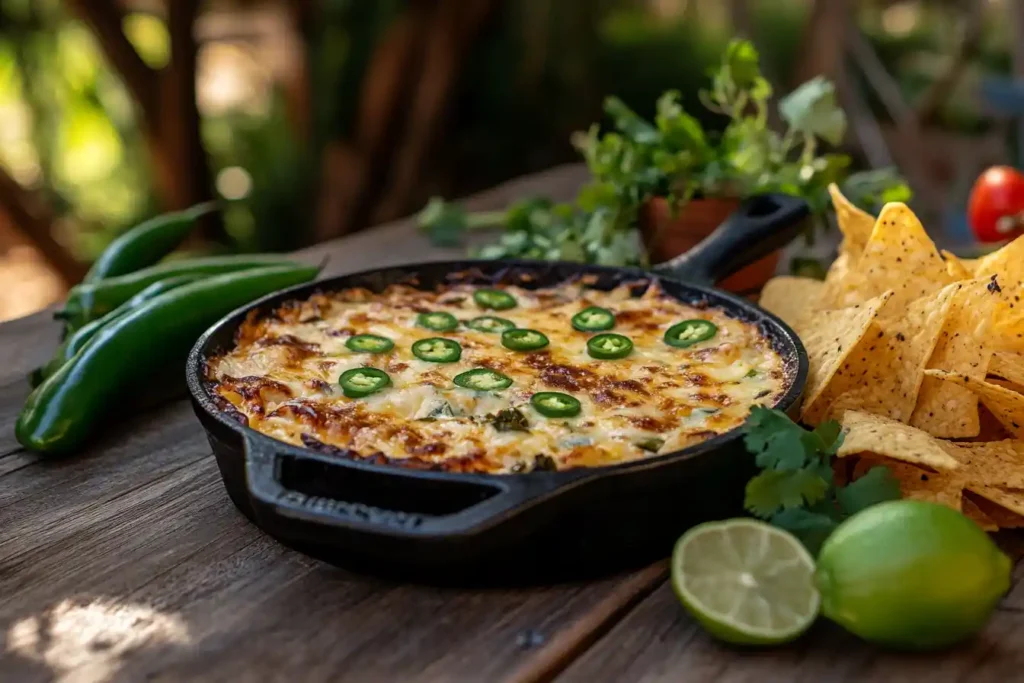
point(996, 207)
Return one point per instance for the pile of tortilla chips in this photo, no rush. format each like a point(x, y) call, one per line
point(920, 356)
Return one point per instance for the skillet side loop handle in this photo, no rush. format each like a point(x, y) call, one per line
point(271, 499)
point(759, 226)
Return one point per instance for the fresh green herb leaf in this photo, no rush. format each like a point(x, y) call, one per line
point(812, 528)
point(510, 420)
point(795, 489)
point(807, 267)
point(812, 110)
point(651, 443)
point(445, 223)
point(776, 440)
point(742, 60)
point(828, 437)
point(673, 157)
point(630, 123)
point(775, 490)
point(876, 486)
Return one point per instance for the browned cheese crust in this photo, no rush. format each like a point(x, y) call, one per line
point(281, 378)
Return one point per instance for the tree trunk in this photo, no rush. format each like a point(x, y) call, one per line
point(166, 102)
point(822, 44)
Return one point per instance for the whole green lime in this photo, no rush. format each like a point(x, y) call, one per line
point(911, 575)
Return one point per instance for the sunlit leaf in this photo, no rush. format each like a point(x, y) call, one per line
point(812, 108)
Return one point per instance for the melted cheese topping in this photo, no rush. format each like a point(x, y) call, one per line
point(282, 379)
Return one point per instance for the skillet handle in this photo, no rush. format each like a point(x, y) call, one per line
point(759, 226)
point(463, 504)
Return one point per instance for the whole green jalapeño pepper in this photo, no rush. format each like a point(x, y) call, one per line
point(64, 410)
point(89, 301)
point(147, 243)
point(76, 340)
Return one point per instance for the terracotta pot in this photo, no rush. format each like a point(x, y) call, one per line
point(666, 236)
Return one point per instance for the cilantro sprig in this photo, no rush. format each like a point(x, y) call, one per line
point(635, 159)
point(795, 489)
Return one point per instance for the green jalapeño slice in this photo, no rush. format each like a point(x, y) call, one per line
point(490, 323)
point(437, 350)
point(483, 379)
point(593, 319)
point(690, 332)
point(609, 346)
point(438, 321)
point(359, 382)
point(494, 299)
point(369, 343)
point(522, 339)
point(555, 404)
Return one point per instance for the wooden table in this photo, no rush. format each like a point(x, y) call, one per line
point(128, 562)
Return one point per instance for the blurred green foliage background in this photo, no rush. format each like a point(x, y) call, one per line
point(283, 90)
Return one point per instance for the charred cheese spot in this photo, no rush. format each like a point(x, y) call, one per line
point(281, 378)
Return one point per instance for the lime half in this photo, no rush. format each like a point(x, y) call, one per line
point(746, 582)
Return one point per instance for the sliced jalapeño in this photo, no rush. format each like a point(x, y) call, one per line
point(483, 379)
point(522, 339)
point(593, 319)
point(359, 382)
point(690, 332)
point(369, 343)
point(555, 404)
point(609, 346)
point(437, 350)
point(494, 299)
point(490, 323)
point(438, 321)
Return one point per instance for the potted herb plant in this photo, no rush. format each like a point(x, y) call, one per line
point(659, 187)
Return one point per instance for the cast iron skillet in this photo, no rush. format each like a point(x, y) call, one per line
point(450, 526)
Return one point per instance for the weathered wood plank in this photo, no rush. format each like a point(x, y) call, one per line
point(26, 343)
point(128, 562)
point(659, 641)
point(175, 549)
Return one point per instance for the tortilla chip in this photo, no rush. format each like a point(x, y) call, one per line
point(866, 433)
point(791, 298)
point(996, 463)
point(1007, 263)
point(898, 256)
point(883, 374)
point(945, 409)
point(1015, 388)
point(1008, 365)
point(917, 483)
point(855, 224)
point(829, 337)
point(1006, 405)
point(976, 514)
point(956, 268)
point(1012, 501)
point(991, 428)
point(992, 509)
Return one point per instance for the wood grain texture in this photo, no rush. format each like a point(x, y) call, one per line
point(128, 562)
point(659, 641)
